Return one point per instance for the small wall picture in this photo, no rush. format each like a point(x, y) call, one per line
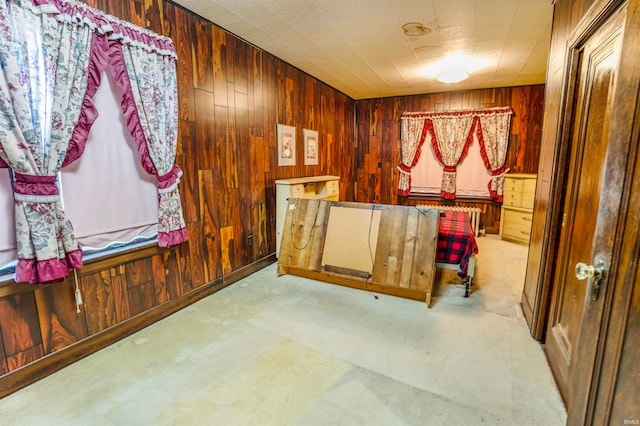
point(286, 145)
point(311, 153)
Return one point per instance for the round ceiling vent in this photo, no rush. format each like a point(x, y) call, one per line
point(415, 29)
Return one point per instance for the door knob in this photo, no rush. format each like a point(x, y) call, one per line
point(584, 271)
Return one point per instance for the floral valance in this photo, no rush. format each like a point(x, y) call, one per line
point(103, 24)
point(52, 55)
point(451, 134)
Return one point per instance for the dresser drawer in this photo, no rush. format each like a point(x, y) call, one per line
point(515, 225)
point(296, 191)
point(333, 188)
point(527, 200)
point(512, 185)
point(512, 199)
point(529, 185)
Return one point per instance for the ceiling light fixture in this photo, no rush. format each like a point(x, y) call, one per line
point(454, 67)
point(453, 76)
point(415, 29)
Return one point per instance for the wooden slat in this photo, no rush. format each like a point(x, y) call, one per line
point(423, 272)
point(396, 247)
point(297, 229)
point(308, 234)
point(320, 231)
point(380, 265)
point(408, 251)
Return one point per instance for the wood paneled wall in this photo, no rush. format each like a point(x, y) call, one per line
point(231, 95)
point(378, 145)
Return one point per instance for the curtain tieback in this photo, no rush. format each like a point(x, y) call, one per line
point(500, 171)
point(168, 182)
point(35, 189)
point(450, 169)
point(404, 169)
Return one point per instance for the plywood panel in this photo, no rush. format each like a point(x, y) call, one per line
point(351, 238)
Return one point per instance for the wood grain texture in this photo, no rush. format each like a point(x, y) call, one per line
point(19, 326)
point(60, 324)
point(4, 368)
point(99, 306)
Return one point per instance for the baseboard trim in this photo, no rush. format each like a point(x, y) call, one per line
point(55, 361)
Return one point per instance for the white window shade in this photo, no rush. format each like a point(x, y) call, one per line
point(472, 176)
point(107, 194)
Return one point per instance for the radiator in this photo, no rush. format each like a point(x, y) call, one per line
point(474, 212)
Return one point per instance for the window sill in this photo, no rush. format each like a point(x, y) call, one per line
point(424, 196)
point(90, 265)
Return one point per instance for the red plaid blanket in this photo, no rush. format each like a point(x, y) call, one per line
point(456, 242)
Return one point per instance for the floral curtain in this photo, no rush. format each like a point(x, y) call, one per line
point(452, 139)
point(492, 131)
point(151, 99)
point(42, 88)
point(414, 133)
point(52, 54)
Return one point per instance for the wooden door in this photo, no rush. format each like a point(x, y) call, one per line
point(591, 211)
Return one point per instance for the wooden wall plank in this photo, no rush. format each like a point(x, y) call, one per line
point(202, 55)
point(24, 357)
point(187, 159)
point(4, 367)
point(139, 272)
point(19, 325)
point(98, 299)
point(60, 324)
point(141, 297)
point(120, 296)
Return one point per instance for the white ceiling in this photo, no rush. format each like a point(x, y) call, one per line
point(359, 47)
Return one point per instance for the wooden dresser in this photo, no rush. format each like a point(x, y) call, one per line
point(516, 214)
point(313, 187)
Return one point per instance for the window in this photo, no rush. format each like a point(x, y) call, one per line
point(472, 175)
point(109, 211)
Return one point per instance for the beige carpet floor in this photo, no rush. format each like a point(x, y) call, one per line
point(285, 350)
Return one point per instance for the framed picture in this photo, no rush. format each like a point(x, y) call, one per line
point(311, 153)
point(286, 145)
